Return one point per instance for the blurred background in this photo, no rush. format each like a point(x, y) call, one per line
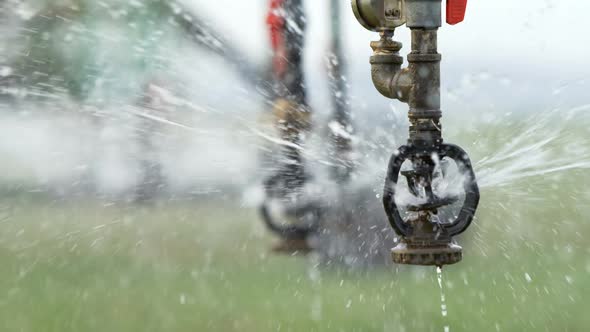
point(131, 135)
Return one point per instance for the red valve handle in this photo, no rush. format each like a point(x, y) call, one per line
point(276, 24)
point(456, 11)
point(275, 21)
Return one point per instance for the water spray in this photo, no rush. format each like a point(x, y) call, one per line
point(426, 238)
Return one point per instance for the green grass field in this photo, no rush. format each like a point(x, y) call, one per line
point(83, 266)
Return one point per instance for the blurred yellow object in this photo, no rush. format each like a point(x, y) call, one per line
point(290, 117)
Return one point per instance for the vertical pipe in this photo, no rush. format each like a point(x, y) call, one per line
point(337, 68)
point(290, 109)
point(292, 81)
point(424, 100)
point(341, 113)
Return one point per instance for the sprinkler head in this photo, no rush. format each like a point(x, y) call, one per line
point(288, 214)
point(425, 239)
point(293, 227)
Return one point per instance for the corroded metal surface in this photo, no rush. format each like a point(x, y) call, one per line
point(417, 254)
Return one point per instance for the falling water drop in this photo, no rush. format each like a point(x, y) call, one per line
point(443, 301)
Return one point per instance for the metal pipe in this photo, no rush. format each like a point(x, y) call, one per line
point(424, 100)
point(418, 84)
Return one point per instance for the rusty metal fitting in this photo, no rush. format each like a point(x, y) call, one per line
point(421, 254)
point(386, 68)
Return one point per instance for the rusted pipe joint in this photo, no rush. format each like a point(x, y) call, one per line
point(386, 68)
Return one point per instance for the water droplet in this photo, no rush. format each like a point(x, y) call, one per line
point(443, 301)
point(5, 71)
point(528, 277)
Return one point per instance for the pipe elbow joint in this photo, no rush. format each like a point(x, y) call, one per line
point(384, 68)
point(389, 78)
point(401, 85)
